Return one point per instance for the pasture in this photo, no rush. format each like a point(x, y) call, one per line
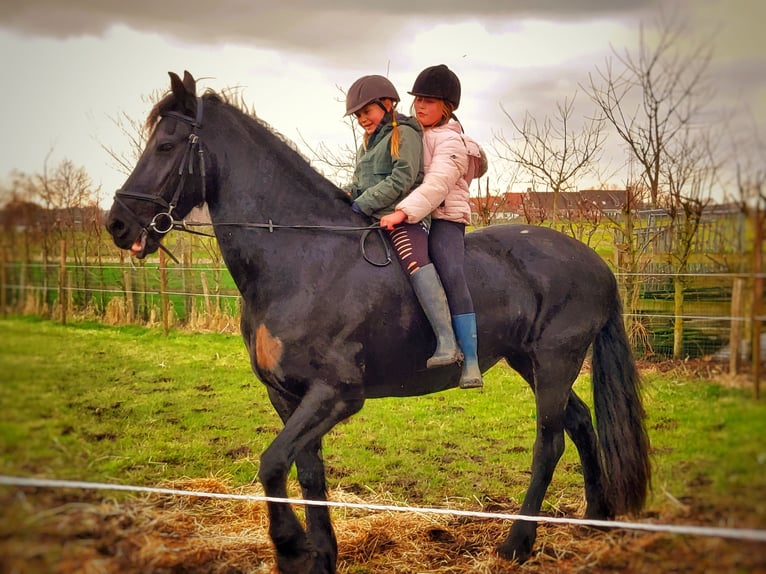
point(131, 406)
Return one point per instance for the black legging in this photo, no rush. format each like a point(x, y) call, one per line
point(446, 245)
point(410, 241)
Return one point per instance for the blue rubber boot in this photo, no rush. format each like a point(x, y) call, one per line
point(465, 333)
point(430, 293)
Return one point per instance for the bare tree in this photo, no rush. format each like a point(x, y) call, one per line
point(66, 198)
point(653, 95)
point(631, 243)
point(22, 218)
point(135, 132)
point(553, 151)
point(690, 171)
point(751, 197)
point(336, 164)
point(339, 164)
point(487, 204)
point(68, 187)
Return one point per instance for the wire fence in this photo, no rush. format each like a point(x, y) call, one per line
point(717, 313)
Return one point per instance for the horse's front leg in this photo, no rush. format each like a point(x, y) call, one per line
point(321, 408)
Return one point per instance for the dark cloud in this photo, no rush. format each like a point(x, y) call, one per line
point(303, 25)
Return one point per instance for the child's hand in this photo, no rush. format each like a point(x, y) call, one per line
point(392, 219)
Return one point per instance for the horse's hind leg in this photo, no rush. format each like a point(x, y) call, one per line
point(579, 427)
point(551, 380)
point(311, 476)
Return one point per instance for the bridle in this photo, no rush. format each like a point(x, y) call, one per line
point(164, 222)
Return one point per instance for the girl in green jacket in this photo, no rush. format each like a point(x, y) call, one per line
point(389, 165)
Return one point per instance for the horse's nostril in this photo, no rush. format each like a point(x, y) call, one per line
point(115, 226)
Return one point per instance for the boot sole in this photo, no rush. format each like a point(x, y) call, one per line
point(471, 385)
point(442, 362)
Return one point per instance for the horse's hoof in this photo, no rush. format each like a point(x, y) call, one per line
point(295, 564)
point(512, 553)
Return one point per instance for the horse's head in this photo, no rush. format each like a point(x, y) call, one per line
point(169, 178)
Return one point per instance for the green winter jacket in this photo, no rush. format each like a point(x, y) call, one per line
point(380, 181)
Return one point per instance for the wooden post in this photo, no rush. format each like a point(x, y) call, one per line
point(187, 281)
point(62, 282)
point(130, 296)
point(735, 339)
point(22, 298)
point(164, 293)
point(4, 283)
point(678, 316)
point(206, 295)
point(756, 313)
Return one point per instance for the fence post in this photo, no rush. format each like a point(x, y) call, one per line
point(206, 295)
point(62, 282)
point(187, 280)
point(757, 317)
point(22, 297)
point(164, 293)
point(735, 339)
point(4, 283)
point(759, 218)
point(128, 289)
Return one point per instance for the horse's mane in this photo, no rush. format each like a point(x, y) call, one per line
point(283, 146)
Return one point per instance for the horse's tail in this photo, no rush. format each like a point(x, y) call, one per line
point(623, 442)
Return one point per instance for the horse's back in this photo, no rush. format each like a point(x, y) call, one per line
point(528, 280)
point(536, 252)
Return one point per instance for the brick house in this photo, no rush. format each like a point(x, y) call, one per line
point(538, 206)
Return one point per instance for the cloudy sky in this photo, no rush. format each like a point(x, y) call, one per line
point(69, 65)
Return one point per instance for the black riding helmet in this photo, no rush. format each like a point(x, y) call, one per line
point(437, 82)
point(368, 89)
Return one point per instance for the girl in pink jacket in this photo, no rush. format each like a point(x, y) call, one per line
point(451, 160)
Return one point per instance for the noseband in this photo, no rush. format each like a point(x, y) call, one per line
point(164, 222)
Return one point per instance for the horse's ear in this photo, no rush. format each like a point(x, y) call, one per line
point(177, 87)
point(184, 90)
point(190, 83)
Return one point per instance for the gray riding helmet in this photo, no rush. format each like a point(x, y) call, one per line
point(369, 89)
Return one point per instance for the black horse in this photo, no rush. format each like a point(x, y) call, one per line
point(326, 330)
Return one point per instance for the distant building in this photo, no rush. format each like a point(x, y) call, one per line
point(538, 206)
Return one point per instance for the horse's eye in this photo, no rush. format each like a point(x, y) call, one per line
point(165, 147)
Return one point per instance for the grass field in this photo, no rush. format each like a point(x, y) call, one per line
point(131, 406)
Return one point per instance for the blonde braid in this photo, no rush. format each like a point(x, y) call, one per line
point(394, 133)
point(448, 112)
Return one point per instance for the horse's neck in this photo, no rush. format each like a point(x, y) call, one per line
point(259, 184)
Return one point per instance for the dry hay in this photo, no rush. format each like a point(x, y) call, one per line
point(77, 531)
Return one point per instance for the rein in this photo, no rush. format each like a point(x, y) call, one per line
point(184, 225)
point(164, 222)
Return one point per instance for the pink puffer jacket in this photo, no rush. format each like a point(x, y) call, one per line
point(444, 191)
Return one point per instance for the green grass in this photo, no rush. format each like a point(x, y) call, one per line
point(704, 433)
point(131, 406)
point(125, 404)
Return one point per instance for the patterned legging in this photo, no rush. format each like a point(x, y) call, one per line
point(410, 241)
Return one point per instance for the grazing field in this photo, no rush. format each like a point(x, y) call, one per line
point(131, 406)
